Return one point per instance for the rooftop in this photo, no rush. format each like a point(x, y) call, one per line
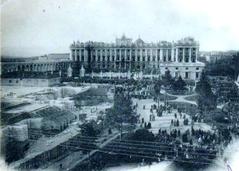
point(124, 41)
point(54, 113)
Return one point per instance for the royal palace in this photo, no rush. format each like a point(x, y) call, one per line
point(128, 56)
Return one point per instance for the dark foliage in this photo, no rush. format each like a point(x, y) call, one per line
point(206, 99)
point(224, 67)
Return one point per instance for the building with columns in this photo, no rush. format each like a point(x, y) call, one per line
point(126, 55)
point(42, 64)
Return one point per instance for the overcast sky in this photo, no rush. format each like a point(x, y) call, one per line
point(36, 27)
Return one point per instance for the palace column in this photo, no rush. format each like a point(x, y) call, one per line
point(151, 55)
point(161, 55)
point(190, 54)
point(183, 54)
point(197, 51)
point(136, 55)
point(110, 55)
point(72, 56)
point(176, 54)
point(156, 54)
point(125, 57)
point(115, 51)
point(79, 55)
point(130, 58)
point(101, 56)
point(76, 55)
point(172, 55)
point(166, 55)
point(141, 58)
point(110, 62)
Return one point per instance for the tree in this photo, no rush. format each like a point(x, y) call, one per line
point(142, 135)
point(122, 110)
point(15, 150)
point(185, 137)
point(179, 84)
point(89, 131)
point(168, 79)
point(206, 99)
point(185, 121)
point(149, 126)
point(225, 67)
point(233, 94)
point(157, 89)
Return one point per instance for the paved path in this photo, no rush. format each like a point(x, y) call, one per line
point(164, 122)
point(180, 98)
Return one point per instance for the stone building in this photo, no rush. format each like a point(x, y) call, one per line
point(124, 56)
point(54, 62)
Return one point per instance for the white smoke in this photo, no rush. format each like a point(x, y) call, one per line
point(231, 154)
point(4, 166)
point(163, 166)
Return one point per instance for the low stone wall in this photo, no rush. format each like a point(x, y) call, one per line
point(30, 82)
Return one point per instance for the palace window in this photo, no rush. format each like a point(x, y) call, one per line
point(138, 58)
point(143, 58)
point(158, 52)
point(169, 58)
point(186, 75)
point(169, 55)
point(197, 75)
point(164, 58)
point(193, 58)
point(180, 57)
point(186, 58)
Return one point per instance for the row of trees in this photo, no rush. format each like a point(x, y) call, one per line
point(224, 67)
point(174, 83)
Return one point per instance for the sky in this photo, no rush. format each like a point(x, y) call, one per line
point(38, 27)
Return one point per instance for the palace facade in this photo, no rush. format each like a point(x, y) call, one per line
point(128, 56)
